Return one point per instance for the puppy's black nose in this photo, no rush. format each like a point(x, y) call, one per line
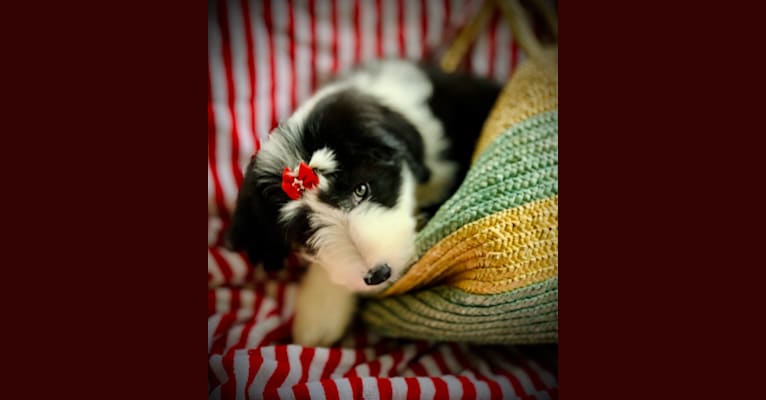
point(378, 275)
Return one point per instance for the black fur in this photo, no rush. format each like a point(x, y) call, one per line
point(254, 227)
point(370, 142)
point(462, 103)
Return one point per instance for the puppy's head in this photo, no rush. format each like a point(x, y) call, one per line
point(359, 221)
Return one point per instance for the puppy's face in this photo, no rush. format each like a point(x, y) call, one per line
point(359, 221)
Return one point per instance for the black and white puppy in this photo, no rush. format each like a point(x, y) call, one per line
point(344, 179)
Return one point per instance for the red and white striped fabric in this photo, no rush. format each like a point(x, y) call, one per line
point(249, 355)
point(264, 58)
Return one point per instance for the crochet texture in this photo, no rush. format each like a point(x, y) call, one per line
point(488, 261)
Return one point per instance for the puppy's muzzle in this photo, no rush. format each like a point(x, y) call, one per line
point(378, 275)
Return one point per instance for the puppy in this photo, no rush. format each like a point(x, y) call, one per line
point(344, 179)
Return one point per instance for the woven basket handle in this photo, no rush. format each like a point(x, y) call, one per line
point(515, 16)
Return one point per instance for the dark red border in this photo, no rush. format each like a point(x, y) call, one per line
point(101, 282)
point(658, 208)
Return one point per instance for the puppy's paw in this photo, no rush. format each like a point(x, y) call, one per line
point(323, 310)
point(318, 326)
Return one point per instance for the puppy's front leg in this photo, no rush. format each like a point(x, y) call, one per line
point(323, 310)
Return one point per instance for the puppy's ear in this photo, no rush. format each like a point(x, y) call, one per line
point(254, 229)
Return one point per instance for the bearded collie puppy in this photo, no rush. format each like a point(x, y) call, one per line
point(345, 179)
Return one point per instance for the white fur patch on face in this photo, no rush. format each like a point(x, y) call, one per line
point(349, 244)
point(323, 160)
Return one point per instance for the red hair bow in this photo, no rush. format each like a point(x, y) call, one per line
point(295, 183)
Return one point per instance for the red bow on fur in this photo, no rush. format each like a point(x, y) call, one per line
point(294, 184)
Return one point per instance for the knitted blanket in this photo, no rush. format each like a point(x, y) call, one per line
point(488, 265)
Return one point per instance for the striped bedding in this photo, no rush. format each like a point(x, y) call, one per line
point(265, 58)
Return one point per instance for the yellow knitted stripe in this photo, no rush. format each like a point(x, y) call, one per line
point(500, 252)
point(532, 90)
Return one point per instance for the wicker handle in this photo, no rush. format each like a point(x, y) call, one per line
point(515, 17)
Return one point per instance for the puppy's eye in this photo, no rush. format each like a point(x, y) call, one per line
point(361, 192)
